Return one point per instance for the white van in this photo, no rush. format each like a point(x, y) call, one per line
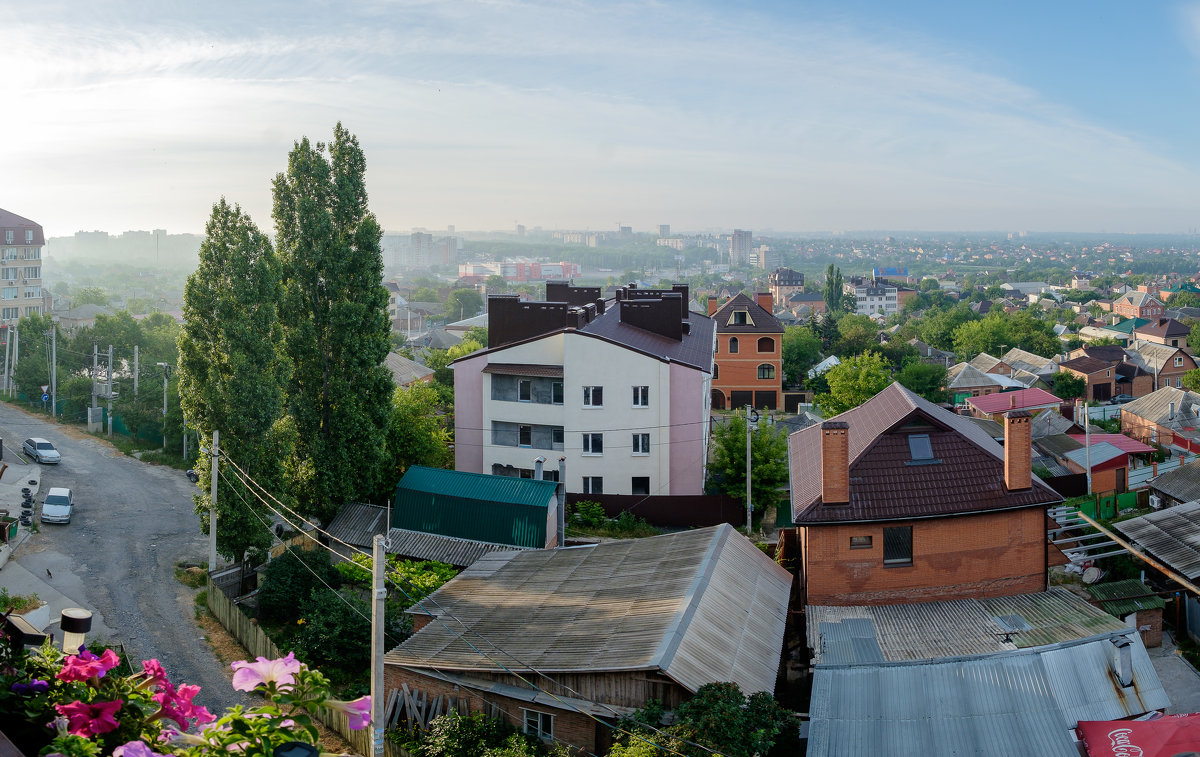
point(58, 505)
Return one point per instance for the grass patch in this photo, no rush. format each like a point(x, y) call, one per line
point(201, 601)
point(18, 603)
point(191, 576)
point(586, 518)
point(158, 457)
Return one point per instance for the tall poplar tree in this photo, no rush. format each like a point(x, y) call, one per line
point(334, 312)
point(232, 376)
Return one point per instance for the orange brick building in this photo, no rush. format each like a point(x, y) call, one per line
point(749, 356)
point(899, 500)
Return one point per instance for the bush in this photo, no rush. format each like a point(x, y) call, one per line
point(455, 735)
point(290, 580)
point(587, 514)
point(17, 603)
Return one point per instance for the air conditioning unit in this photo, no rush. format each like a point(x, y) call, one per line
point(1155, 502)
point(24, 281)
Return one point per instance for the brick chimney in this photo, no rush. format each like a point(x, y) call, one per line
point(766, 301)
point(1018, 450)
point(835, 463)
point(712, 305)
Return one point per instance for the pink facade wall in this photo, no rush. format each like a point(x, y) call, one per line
point(689, 430)
point(468, 414)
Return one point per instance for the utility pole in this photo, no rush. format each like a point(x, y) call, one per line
point(95, 372)
point(53, 370)
point(166, 374)
point(212, 502)
point(135, 370)
point(379, 594)
point(8, 332)
point(110, 371)
point(12, 391)
point(749, 504)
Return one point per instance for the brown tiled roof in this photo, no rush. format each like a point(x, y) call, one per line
point(1110, 352)
point(1164, 328)
point(764, 322)
point(695, 349)
point(1086, 364)
point(969, 476)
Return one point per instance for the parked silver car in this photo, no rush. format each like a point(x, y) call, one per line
point(41, 451)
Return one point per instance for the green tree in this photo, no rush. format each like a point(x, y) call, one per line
point(768, 459)
point(720, 717)
point(231, 375)
point(1191, 380)
point(833, 289)
point(495, 284)
point(937, 330)
point(290, 580)
point(929, 285)
point(90, 296)
point(925, 379)
point(801, 351)
point(33, 369)
point(1193, 339)
point(1184, 300)
point(1067, 385)
point(857, 333)
point(415, 436)
point(854, 381)
point(463, 303)
point(334, 316)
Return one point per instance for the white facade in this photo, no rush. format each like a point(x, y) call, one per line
point(651, 423)
point(874, 298)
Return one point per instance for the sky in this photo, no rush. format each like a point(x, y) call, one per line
point(773, 116)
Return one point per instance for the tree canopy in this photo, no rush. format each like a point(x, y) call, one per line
point(801, 351)
point(854, 381)
point(1067, 385)
point(925, 379)
point(768, 461)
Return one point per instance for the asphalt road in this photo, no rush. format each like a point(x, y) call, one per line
point(133, 522)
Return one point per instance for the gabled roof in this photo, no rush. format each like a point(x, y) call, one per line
point(1049, 423)
point(1151, 357)
point(1086, 364)
point(1127, 326)
point(1022, 399)
point(405, 371)
point(967, 376)
point(1099, 453)
point(1137, 299)
point(1156, 407)
point(760, 321)
point(1165, 328)
point(1120, 441)
point(694, 350)
point(1028, 361)
point(1111, 353)
point(700, 606)
point(1182, 483)
point(884, 487)
point(985, 362)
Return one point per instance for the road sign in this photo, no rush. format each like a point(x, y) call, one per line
point(45, 388)
point(45, 398)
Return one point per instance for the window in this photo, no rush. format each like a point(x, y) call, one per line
point(641, 444)
point(593, 444)
point(8, 237)
point(1178, 361)
point(733, 345)
point(766, 371)
point(641, 396)
point(28, 236)
point(1108, 373)
point(556, 437)
point(640, 485)
point(1178, 382)
point(525, 436)
point(33, 292)
point(8, 293)
point(860, 542)
point(10, 313)
point(32, 272)
point(593, 396)
point(740, 318)
point(524, 390)
point(593, 484)
point(920, 448)
point(897, 545)
point(766, 344)
point(556, 393)
point(540, 724)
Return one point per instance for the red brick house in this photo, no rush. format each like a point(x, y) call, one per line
point(899, 500)
point(1100, 375)
point(1138, 305)
point(749, 356)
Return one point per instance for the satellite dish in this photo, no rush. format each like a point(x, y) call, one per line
point(1091, 575)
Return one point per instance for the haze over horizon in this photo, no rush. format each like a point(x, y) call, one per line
point(483, 114)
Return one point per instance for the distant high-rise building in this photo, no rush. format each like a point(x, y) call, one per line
point(450, 230)
point(740, 245)
point(664, 229)
point(626, 232)
point(21, 242)
point(520, 230)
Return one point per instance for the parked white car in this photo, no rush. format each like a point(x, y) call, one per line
point(58, 505)
point(41, 451)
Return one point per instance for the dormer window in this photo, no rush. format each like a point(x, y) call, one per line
point(920, 450)
point(740, 318)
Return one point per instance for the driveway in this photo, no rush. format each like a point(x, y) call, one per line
point(133, 522)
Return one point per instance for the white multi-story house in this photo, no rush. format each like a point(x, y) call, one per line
point(21, 242)
point(619, 388)
point(873, 296)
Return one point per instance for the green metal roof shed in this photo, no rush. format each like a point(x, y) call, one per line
point(1121, 598)
point(478, 506)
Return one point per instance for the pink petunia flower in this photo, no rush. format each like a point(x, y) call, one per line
point(135, 749)
point(86, 665)
point(90, 719)
point(155, 675)
point(249, 675)
point(177, 705)
point(358, 712)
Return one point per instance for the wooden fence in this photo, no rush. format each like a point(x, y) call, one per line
point(256, 642)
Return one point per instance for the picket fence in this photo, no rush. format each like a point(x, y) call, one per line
point(256, 642)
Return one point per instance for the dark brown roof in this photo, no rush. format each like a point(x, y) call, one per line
point(968, 477)
point(1110, 352)
point(1087, 364)
point(524, 369)
point(695, 349)
point(19, 224)
point(1164, 328)
point(763, 322)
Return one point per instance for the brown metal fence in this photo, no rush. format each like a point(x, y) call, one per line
point(256, 642)
point(679, 511)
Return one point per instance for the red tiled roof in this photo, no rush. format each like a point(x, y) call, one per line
point(1120, 441)
point(968, 477)
point(1022, 399)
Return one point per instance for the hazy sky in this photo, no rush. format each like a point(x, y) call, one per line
point(847, 114)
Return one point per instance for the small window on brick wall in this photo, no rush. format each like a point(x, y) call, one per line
point(860, 542)
point(897, 545)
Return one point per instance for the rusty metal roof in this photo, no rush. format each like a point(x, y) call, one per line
point(967, 477)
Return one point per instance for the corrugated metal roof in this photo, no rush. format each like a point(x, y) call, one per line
point(1028, 361)
point(1172, 535)
point(967, 376)
point(475, 506)
point(1022, 399)
point(884, 487)
point(1182, 483)
point(1120, 441)
point(457, 552)
point(405, 371)
point(701, 606)
point(1099, 453)
point(1121, 598)
point(926, 630)
point(1156, 407)
point(1020, 702)
point(1057, 445)
point(358, 523)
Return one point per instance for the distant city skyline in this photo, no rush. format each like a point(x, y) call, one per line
point(798, 116)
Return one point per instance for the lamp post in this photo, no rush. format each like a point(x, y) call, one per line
point(166, 375)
